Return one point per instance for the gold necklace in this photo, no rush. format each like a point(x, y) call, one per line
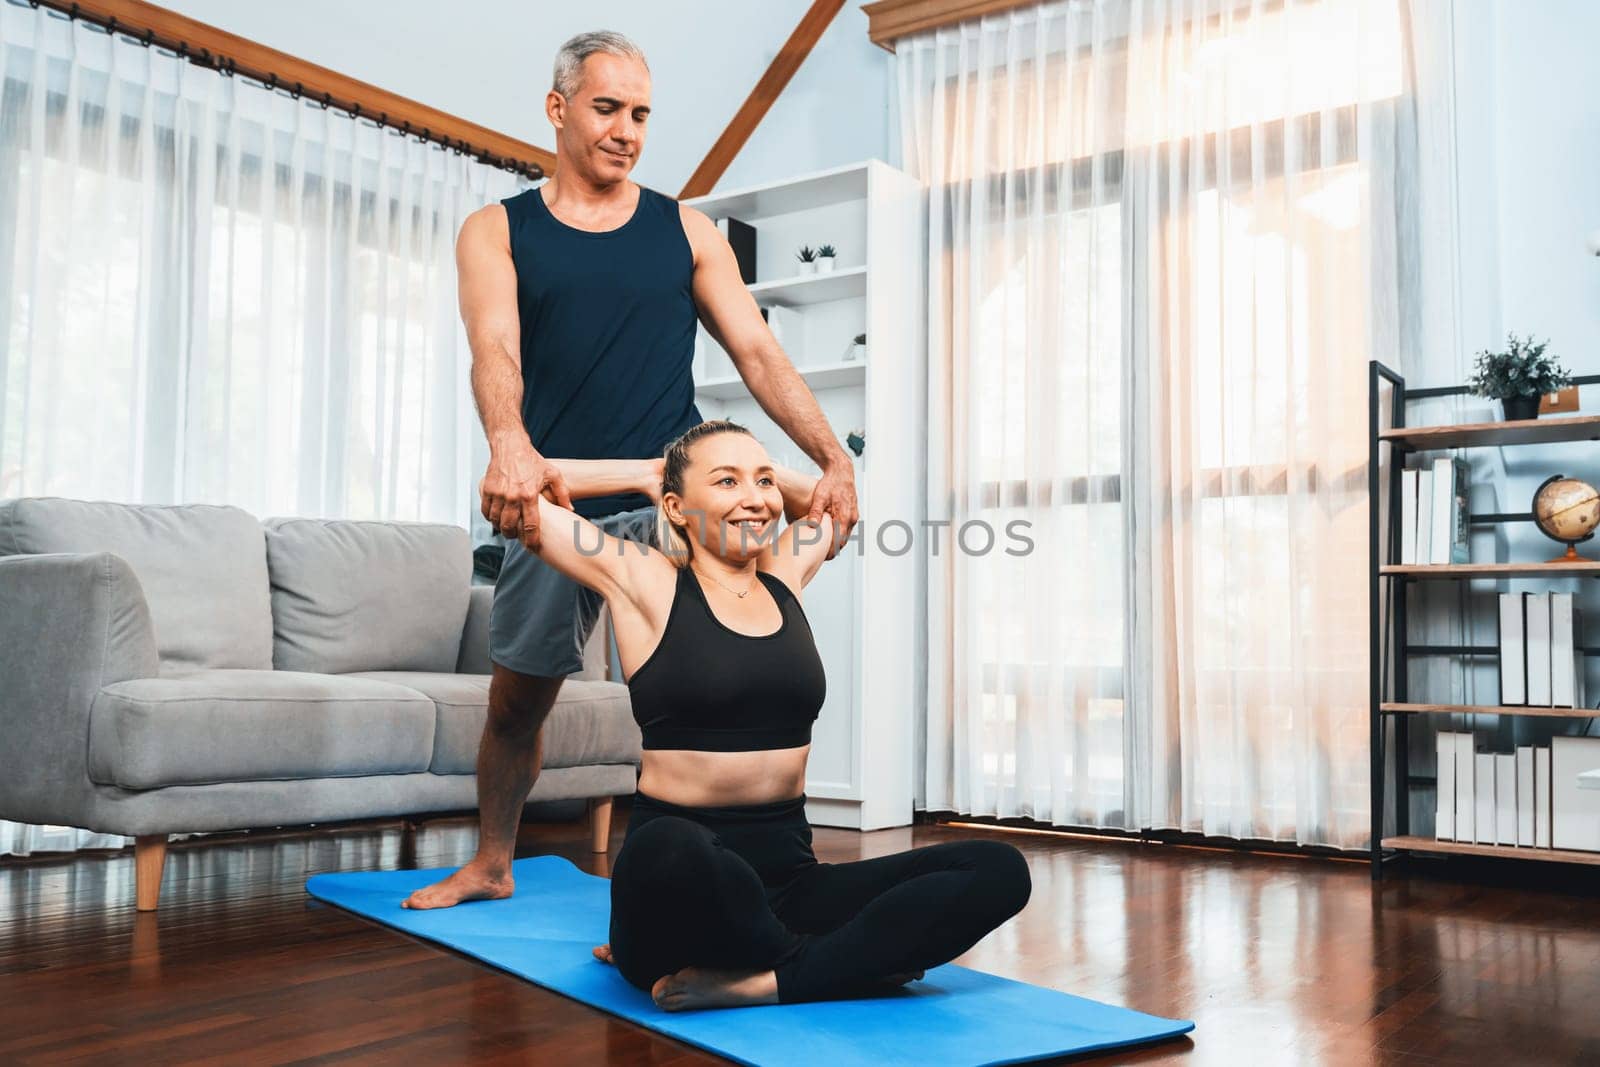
point(735, 592)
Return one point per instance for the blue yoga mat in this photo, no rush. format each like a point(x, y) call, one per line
point(545, 932)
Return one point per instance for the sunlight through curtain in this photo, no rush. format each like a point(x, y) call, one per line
point(1162, 248)
point(213, 293)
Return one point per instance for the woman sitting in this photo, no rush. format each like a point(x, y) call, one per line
point(716, 897)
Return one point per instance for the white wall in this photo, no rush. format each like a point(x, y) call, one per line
point(1547, 128)
point(1548, 123)
point(1528, 151)
point(490, 61)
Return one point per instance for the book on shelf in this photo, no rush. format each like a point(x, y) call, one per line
point(1541, 797)
point(1524, 800)
point(741, 237)
point(1574, 811)
point(1505, 798)
point(1484, 786)
point(1580, 691)
point(1444, 818)
point(1408, 515)
point(1513, 675)
point(1565, 665)
point(1466, 788)
point(1424, 515)
point(1536, 654)
point(1448, 538)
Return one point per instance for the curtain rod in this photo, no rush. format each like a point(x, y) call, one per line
point(232, 56)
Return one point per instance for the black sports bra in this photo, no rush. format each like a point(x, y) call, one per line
point(710, 688)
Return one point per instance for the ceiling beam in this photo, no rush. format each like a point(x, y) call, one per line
point(761, 98)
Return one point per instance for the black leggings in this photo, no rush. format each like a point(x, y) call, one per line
point(738, 888)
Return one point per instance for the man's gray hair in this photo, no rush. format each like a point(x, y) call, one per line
point(569, 60)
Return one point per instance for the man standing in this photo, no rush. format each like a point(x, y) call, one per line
point(580, 299)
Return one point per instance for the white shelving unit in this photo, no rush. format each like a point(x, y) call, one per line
point(862, 747)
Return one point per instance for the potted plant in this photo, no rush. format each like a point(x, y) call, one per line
point(856, 349)
point(808, 259)
point(1518, 377)
point(825, 259)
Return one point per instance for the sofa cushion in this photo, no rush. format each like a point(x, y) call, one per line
point(352, 595)
point(203, 569)
point(250, 726)
point(591, 722)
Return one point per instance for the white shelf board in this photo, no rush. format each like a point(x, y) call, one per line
point(825, 376)
point(837, 185)
point(805, 289)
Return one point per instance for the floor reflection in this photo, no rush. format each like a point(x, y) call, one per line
point(1277, 959)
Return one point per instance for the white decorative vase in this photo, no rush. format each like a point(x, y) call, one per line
point(808, 268)
point(824, 264)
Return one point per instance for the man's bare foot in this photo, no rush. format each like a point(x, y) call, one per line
point(696, 987)
point(473, 882)
point(603, 953)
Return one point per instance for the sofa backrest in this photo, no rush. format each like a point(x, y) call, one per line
point(203, 568)
point(359, 595)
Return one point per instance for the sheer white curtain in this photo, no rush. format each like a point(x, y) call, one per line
point(211, 292)
point(1162, 247)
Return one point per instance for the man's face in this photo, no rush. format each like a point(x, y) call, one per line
point(601, 129)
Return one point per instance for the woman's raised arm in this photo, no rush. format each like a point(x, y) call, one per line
point(799, 549)
point(578, 548)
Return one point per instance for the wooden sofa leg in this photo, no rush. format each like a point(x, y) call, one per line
point(600, 824)
point(149, 859)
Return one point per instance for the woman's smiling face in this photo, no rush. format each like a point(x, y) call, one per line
point(730, 502)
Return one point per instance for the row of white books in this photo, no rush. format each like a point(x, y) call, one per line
point(1541, 650)
point(1534, 797)
point(1433, 512)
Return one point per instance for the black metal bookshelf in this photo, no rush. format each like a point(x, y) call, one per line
point(1385, 544)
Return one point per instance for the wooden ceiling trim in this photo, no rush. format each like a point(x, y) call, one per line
point(217, 49)
point(888, 20)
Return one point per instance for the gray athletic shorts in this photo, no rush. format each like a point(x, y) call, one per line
point(541, 619)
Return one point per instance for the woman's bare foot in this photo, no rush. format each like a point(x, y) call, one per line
point(603, 953)
point(895, 980)
point(696, 987)
point(475, 881)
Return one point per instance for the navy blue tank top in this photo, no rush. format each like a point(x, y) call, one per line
point(608, 325)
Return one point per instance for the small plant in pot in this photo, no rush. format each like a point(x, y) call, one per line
point(856, 348)
point(808, 259)
point(1518, 377)
point(825, 256)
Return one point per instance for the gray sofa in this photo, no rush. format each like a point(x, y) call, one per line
point(180, 669)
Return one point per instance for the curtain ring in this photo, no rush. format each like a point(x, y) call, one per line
point(298, 89)
point(111, 26)
point(149, 38)
point(272, 83)
point(183, 49)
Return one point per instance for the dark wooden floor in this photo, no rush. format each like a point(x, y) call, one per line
point(1279, 959)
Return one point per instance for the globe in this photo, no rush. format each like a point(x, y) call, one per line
point(1566, 510)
